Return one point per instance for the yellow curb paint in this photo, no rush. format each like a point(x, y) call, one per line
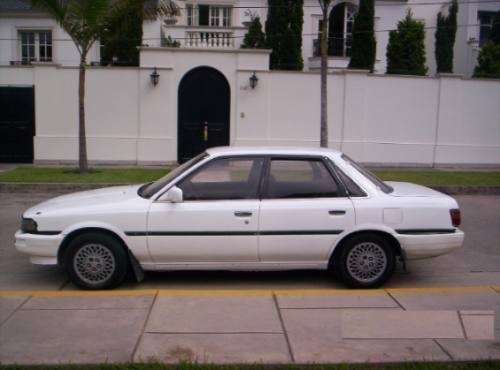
point(441, 290)
point(248, 292)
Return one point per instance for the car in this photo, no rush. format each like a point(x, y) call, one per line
point(237, 208)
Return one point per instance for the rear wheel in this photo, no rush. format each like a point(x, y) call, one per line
point(365, 261)
point(96, 261)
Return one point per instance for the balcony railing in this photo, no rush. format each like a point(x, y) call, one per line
point(209, 39)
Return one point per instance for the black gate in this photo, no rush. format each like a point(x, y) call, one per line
point(204, 105)
point(16, 124)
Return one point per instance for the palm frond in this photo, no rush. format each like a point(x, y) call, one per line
point(56, 8)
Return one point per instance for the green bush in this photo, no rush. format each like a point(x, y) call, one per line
point(254, 38)
point(488, 61)
point(445, 39)
point(284, 34)
point(406, 48)
point(363, 42)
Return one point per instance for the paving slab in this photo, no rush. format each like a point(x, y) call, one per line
point(336, 301)
point(449, 301)
point(213, 348)
point(315, 336)
point(216, 314)
point(371, 351)
point(470, 350)
point(88, 303)
point(393, 324)
point(8, 305)
point(479, 326)
point(70, 336)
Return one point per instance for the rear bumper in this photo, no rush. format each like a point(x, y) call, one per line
point(429, 245)
point(42, 249)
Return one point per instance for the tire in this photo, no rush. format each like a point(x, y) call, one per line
point(365, 261)
point(96, 261)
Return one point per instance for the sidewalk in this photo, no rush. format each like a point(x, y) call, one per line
point(250, 326)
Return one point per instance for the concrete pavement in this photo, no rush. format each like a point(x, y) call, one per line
point(249, 325)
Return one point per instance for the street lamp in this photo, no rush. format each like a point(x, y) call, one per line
point(253, 80)
point(155, 77)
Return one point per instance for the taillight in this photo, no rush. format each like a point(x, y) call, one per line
point(455, 217)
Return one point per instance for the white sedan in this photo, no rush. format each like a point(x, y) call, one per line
point(245, 209)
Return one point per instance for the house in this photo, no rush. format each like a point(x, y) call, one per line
point(28, 35)
point(209, 92)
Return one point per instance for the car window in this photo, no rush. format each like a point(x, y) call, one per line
point(352, 188)
point(297, 178)
point(227, 178)
point(370, 176)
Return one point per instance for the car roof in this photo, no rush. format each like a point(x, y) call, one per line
point(269, 150)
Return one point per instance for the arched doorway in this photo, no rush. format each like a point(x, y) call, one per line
point(203, 110)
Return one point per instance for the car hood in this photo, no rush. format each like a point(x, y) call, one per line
point(407, 189)
point(90, 198)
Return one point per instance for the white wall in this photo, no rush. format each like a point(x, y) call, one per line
point(375, 118)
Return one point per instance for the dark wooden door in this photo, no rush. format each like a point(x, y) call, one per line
point(204, 106)
point(16, 124)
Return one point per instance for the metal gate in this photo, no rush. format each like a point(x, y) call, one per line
point(17, 124)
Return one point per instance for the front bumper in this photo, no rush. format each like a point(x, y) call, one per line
point(42, 249)
point(430, 245)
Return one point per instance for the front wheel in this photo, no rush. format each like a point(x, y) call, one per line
point(96, 261)
point(365, 261)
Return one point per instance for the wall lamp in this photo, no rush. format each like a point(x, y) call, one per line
point(254, 80)
point(155, 77)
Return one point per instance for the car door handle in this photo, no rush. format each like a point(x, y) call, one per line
point(336, 212)
point(242, 214)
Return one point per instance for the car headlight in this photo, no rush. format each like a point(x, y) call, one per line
point(28, 225)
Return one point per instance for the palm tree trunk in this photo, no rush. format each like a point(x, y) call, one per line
point(82, 141)
point(324, 82)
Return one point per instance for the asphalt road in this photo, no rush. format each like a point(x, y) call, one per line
point(478, 263)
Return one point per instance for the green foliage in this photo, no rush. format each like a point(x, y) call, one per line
point(169, 42)
point(363, 43)
point(120, 40)
point(488, 65)
point(445, 38)
point(406, 48)
point(254, 38)
point(284, 34)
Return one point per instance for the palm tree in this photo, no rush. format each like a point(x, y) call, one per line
point(85, 21)
point(324, 4)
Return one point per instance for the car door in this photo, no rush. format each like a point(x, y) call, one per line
point(303, 211)
point(217, 221)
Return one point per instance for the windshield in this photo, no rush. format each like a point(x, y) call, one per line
point(370, 176)
point(149, 189)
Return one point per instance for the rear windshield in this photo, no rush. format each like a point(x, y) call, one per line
point(370, 176)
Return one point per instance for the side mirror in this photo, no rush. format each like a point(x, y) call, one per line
point(173, 195)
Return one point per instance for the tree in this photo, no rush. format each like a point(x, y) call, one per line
point(254, 38)
point(85, 21)
point(120, 40)
point(323, 137)
point(446, 31)
point(488, 65)
point(363, 37)
point(406, 49)
point(284, 34)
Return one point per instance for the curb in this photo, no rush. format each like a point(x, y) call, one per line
point(6, 187)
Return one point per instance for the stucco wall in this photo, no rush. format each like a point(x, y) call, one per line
point(376, 119)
